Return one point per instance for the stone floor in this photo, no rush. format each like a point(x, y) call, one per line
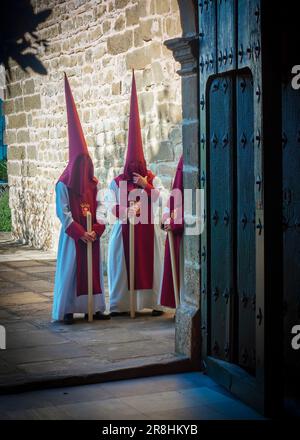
point(39, 350)
point(11, 250)
point(188, 396)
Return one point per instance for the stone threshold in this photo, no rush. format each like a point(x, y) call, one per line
point(120, 371)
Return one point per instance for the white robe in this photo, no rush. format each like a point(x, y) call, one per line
point(65, 295)
point(116, 265)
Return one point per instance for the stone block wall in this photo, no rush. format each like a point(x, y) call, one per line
point(2, 82)
point(96, 43)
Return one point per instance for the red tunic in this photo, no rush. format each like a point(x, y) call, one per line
point(143, 238)
point(167, 291)
point(79, 205)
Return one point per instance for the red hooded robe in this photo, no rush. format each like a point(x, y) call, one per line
point(177, 226)
point(79, 178)
point(143, 233)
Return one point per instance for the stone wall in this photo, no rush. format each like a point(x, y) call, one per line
point(2, 82)
point(96, 43)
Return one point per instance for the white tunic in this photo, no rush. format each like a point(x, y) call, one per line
point(65, 294)
point(116, 265)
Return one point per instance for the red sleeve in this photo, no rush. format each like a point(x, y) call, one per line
point(99, 228)
point(155, 192)
point(120, 212)
point(177, 228)
point(75, 231)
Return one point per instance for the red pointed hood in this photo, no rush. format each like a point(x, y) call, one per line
point(178, 180)
point(79, 172)
point(176, 201)
point(135, 160)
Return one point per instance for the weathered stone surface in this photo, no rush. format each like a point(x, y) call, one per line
point(19, 105)
point(140, 58)
point(120, 4)
point(32, 170)
point(116, 88)
point(100, 10)
point(15, 152)
point(31, 152)
point(146, 102)
point(147, 30)
point(8, 106)
point(96, 44)
point(29, 87)
point(14, 168)
point(32, 102)
point(187, 339)
point(106, 26)
point(96, 33)
point(17, 121)
point(190, 111)
point(22, 136)
point(99, 51)
point(10, 137)
point(190, 135)
point(132, 16)
point(14, 90)
point(165, 152)
point(120, 23)
point(172, 26)
point(162, 7)
point(120, 43)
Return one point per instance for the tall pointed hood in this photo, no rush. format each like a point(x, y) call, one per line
point(80, 170)
point(178, 180)
point(135, 160)
point(176, 202)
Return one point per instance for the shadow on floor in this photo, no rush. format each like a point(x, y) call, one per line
point(188, 396)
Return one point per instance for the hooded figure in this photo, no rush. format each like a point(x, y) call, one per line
point(147, 236)
point(76, 194)
point(173, 221)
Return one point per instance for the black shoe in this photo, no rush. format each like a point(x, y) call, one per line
point(101, 316)
point(68, 319)
point(98, 316)
point(157, 312)
point(119, 314)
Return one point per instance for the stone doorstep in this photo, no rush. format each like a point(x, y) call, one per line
point(25, 255)
point(145, 367)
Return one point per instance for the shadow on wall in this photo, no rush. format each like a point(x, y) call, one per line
point(18, 38)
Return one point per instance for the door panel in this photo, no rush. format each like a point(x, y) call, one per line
point(221, 245)
point(291, 220)
point(245, 222)
point(226, 55)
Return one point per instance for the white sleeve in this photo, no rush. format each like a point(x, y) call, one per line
point(111, 196)
point(101, 210)
point(63, 210)
point(163, 192)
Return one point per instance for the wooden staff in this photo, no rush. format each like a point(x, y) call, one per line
point(131, 266)
point(173, 266)
point(90, 269)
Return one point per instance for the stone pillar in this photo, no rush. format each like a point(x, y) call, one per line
point(187, 336)
point(2, 82)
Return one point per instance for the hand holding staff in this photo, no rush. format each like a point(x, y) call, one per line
point(131, 265)
point(89, 268)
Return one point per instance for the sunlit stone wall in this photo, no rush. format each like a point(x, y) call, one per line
point(96, 43)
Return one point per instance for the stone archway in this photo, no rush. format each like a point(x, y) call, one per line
point(185, 50)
